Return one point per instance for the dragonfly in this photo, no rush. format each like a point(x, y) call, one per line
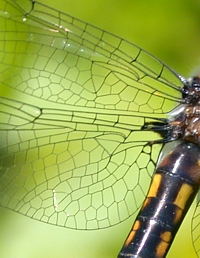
point(84, 117)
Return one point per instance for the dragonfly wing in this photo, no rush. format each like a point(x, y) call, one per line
point(196, 227)
point(69, 173)
point(73, 101)
point(59, 58)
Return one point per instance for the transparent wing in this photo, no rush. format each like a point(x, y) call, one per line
point(73, 174)
point(196, 227)
point(73, 101)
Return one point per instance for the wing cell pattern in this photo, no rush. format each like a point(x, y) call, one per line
point(73, 100)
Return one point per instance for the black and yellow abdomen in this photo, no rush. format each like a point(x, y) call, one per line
point(173, 188)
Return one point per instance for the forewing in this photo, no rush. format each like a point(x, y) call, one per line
point(73, 101)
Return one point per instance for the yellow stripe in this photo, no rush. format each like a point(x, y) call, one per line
point(178, 215)
point(183, 195)
point(161, 249)
point(154, 185)
point(136, 225)
point(166, 236)
point(131, 235)
point(129, 238)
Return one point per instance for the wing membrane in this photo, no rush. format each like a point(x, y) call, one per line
point(73, 101)
point(62, 167)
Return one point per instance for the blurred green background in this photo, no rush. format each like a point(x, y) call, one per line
point(171, 32)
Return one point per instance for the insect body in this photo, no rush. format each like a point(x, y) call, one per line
point(174, 184)
point(84, 114)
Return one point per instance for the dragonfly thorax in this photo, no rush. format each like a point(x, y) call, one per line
point(191, 90)
point(186, 124)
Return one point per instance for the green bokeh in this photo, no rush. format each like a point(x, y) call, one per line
point(170, 31)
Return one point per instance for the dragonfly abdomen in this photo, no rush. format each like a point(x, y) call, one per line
point(173, 188)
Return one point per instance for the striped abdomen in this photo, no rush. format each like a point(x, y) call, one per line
point(173, 188)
